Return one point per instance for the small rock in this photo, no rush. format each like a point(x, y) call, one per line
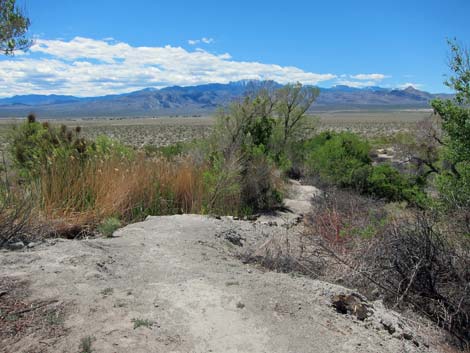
point(376, 293)
point(232, 283)
point(352, 304)
point(232, 236)
point(407, 335)
point(240, 305)
point(389, 326)
point(16, 246)
point(252, 217)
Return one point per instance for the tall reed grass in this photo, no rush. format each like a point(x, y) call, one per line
point(88, 191)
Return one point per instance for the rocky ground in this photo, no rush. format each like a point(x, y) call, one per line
point(177, 284)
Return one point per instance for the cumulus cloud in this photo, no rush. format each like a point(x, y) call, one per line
point(89, 67)
point(361, 80)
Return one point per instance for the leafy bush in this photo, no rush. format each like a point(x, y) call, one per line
point(342, 159)
point(33, 145)
point(221, 184)
point(261, 184)
point(386, 182)
point(339, 158)
point(104, 147)
point(454, 180)
point(109, 226)
point(258, 132)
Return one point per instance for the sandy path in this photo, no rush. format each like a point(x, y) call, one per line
point(176, 273)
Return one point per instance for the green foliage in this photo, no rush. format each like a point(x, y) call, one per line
point(221, 183)
point(339, 158)
point(455, 191)
point(260, 133)
point(13, 28)
point(258, 187)
point(86, 344)
point(105, 147)
point(453, 182)
point(34, 145)
point(342, 159)
point(109, 226)
point(460, 66)
point(260, 130)
point(292, 104)
point(386, 182)
point(142, 323)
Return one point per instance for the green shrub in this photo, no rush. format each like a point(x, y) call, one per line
point(33, 145)
point(454, 180)
point(342, 159)
point(109, 226)
point(261, 183)
point(166, 151)
point(339, 158)
point(386, 182)
point(104, 146)
point(221, 184)
point(455, 191)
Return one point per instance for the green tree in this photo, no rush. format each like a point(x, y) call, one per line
point(13, 27)
point(292, 104)
point(454, 179)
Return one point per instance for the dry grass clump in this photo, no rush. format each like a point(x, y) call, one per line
point(15, 221)
point(85, 192)
point(16, 208)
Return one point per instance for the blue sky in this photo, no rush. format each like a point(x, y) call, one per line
point(98, 47)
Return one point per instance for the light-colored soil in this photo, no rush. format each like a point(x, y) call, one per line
point(180, 273)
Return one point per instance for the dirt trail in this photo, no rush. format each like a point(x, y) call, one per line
point(176, 279)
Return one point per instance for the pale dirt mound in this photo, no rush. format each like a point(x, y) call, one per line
point(172, 284)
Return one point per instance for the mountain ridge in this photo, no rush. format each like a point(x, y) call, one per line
point(201, 99)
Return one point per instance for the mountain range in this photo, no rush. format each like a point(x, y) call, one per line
point(203, 99)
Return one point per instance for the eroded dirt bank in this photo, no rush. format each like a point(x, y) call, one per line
point(173, 284)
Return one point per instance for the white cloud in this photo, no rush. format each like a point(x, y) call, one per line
point(374, 77)
point(89, 67)
point(410, 84)
point(207, 40)
point(356, 84)
point(204, 40)
point(361, 80)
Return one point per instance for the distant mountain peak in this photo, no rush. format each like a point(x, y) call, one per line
point(411, 89)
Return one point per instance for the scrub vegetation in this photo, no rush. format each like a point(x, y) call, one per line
point(393, 218)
